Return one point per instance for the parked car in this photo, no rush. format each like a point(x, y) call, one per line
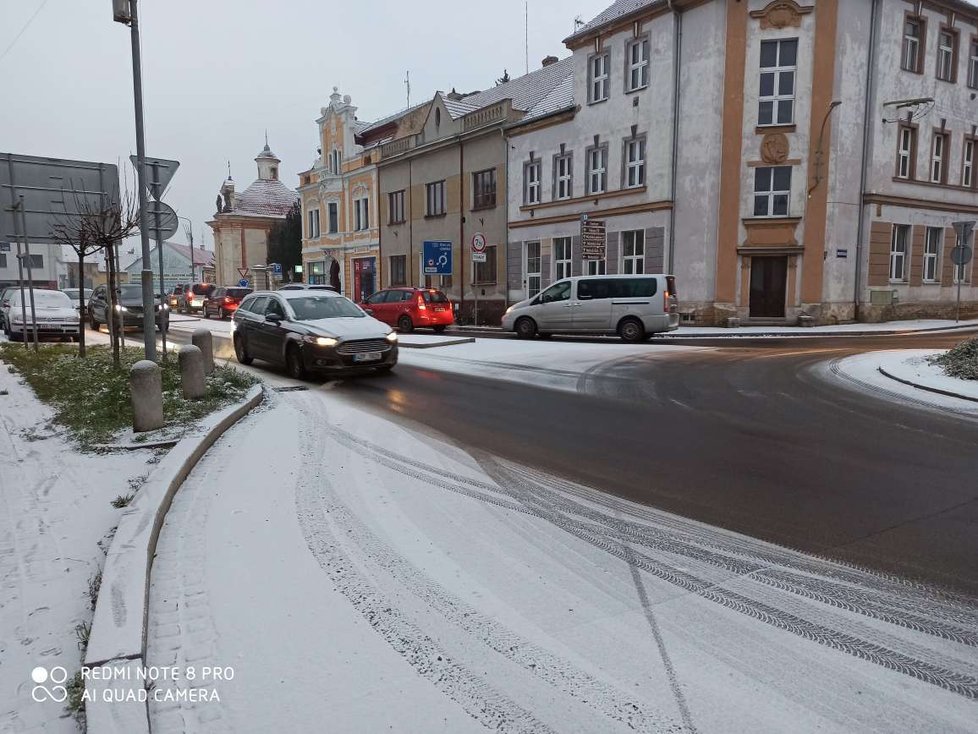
point(308, 287)
point(632, 306)
point(312, 331)
point(129, 309)
point(73, 294)
point(54, 315)
point(7, 295)
point(224, 302)
point(176, 294)
point(193, 297)
point(407, 308)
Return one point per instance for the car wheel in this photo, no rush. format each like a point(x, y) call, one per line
point(240, 353)
point(631, 330)
point(222, 314)
point(526, 328)
point(293, 363)
point(94, 322)
point(440, 328)
point(405, 325)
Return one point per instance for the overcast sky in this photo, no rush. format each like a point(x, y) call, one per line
point(217, 74)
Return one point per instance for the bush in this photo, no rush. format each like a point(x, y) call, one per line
point(962, 361)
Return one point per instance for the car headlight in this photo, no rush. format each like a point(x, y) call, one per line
point(120, 308)
point(322, 341)
point(392, 337)
point(508, 310)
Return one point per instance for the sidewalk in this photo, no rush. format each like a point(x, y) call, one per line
point(54, 511)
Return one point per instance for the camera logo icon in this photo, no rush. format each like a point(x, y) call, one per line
point(49, 684)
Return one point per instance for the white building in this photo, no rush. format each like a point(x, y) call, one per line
point(742, 146)
point(49, 266)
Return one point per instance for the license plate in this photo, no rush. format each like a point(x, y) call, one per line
point(367, 357)
point(439, 308)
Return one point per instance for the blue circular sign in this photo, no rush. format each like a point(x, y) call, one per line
point(243, 282)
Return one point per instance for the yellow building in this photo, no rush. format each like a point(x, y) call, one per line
point(341, 234)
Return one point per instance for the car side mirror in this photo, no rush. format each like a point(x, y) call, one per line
point(273, 317)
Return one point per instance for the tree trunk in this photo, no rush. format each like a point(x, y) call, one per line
point(81, 303)
point(110, 316)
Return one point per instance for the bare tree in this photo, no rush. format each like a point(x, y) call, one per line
point(98, 225)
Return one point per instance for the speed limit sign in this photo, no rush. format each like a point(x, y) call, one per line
point(478, 242)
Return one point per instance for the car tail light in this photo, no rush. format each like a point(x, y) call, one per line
point(228, 299)
point(421, 303)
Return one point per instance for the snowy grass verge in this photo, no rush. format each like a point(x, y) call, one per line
point(960, 362)
point(118, 632)
point(91, 398)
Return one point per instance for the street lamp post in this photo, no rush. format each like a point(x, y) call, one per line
point(126, 11)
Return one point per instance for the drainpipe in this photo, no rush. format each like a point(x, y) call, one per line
point(461, 226)
point(863, 174)
point(502, 131)
point(676, 57)
point(410, 218)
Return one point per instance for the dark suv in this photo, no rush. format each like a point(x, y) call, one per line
point(224, 302)
point(129, 309)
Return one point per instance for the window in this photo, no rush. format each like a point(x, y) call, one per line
point(486, 272)
point(968, 164)
point(398, 269)
point(334, 217)
point(913, 33)
point(633, 252)
point(562, 257)
point(906, 151)
point(938, 158)
point(635, 162)
point(336, 162)
point(3, 261)
point(313, 224)
point(395, 206)
point(484, 189)
point(563, 176)
point(601, 288)
point(37, 261)
point(531, 182)
point(595, 267)
point(777, 95)
point(772, 189)
point(435, 198)
point(637, 64)
point(532, 268)
point(947, 55)
point(598, 77)
point(932, 246)
point(898, 252)
point(361, 212)
point(973, 64)
point(557, 292)
point(597, 169)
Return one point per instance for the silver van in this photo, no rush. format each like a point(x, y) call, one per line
point(632, 306)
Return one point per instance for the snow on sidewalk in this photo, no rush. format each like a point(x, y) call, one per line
point(883, 327)
point(54, 510)
point(360, 577)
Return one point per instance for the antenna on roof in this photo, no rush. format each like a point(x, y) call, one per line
point(266, 137)
point(526, 28)
point(407, 83)
point(577, 22)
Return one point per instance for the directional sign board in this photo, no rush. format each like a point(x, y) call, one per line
point(56, 192)
point(437, 257)
point(592, 238)
point(168, 222)
point(157, 174)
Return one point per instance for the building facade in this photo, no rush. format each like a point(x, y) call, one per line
point(448, 182)
point(784, 160)
point(242, 222)
point(181, 264)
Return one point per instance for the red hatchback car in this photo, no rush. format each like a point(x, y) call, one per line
point(407, 308)
point(223, 302)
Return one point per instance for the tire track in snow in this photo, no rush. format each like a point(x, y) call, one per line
point(957, 682)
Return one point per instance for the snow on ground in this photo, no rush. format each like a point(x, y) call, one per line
point(557, 365)
point(840, 329)
point(361, 577)
point(54, 510)
point(861, 372)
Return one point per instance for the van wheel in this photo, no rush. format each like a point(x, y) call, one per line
point(405, 325)
point(526, 328)
point(631, 330)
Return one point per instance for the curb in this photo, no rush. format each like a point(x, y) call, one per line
point(119, 627)
point(937, 390)
point(452, 342)
point(810, 335)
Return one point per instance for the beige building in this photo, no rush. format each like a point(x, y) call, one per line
point(447, 183)
point(242, 222)
point(340, 212)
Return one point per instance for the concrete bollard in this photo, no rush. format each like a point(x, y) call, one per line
point(192, 372)
point(204, 341)
point(146, 387)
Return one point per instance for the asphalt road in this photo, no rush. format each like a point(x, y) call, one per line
point(745, 436)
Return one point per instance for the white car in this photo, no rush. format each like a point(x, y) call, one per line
point(54, 315)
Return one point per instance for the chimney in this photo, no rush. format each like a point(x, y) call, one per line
point(549, 61)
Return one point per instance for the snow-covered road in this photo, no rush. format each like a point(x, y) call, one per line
point(361, 575)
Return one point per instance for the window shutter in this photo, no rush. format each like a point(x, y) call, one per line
point(576, 264)
point(611, 252)
point(655, 251)
point(948, 267)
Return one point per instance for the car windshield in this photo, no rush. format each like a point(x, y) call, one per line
point(312, 308)
point(131, 292)
point(48, 299)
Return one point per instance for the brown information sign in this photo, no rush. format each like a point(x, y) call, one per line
point(592, 238)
